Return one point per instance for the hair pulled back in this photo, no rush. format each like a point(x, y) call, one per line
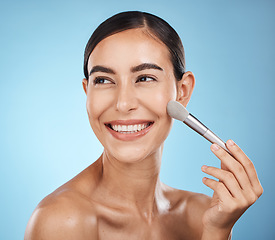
point(135, 19)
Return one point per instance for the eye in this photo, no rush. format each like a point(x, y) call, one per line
point(101, 80)
point(145, 79)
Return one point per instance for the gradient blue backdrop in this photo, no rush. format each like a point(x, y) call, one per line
point(45, 137)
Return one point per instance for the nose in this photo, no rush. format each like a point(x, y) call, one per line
point(126, 99)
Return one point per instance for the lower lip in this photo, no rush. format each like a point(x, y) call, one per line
point(129, 136)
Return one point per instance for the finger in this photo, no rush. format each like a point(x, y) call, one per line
point(247, 164)
point(232, 165)
point(245, 197)
point(227, 178)
point(218, 188)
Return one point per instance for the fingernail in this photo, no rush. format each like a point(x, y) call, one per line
point(204, 167)
point(215, 147)
point(230, 142)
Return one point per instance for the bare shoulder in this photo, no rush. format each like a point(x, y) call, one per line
point(196, 205)
point(191, 206)
point(195, 202)
point(67, 213)
point(62, 215)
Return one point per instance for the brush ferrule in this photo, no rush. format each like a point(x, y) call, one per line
point(195, 124)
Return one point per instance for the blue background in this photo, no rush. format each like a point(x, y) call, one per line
point(45, 136)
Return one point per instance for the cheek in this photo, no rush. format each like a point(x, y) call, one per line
point(160, 98)
point(96, 104)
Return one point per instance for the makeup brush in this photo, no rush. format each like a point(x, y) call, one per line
point(179, 112)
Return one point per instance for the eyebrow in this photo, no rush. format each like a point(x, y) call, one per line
point(99, 68)
point(145, 66)
point(140, 67)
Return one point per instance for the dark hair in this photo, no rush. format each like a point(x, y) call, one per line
point(135, 19)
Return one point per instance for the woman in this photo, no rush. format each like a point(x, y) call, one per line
point(134, 65)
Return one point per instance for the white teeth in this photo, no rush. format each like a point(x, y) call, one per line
point(129, 128)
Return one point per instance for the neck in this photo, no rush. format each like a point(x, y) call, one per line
point(135, 184)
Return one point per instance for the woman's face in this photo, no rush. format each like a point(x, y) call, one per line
point(131, 81)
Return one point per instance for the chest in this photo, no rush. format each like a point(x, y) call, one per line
point(132, 228)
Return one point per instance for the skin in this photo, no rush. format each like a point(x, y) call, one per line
point(120, 196)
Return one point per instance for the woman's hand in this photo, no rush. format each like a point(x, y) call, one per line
point(237, 189)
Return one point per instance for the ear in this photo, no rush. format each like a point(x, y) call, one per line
point(85, 85)
point(185, 88)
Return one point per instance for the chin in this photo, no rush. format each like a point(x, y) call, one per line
point(131, 154)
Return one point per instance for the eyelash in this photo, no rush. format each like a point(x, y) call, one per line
point(145, 76)
point(98, 80)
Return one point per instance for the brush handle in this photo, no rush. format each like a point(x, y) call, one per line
point(201, 129)
point(213, 138)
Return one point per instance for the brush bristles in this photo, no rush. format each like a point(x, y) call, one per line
point(177, 111)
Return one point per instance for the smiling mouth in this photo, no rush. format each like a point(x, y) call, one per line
point(128, 129)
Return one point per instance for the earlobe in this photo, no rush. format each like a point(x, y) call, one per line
point(185, 88)
point(85, 85)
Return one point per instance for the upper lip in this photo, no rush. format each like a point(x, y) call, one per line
point(128, 122)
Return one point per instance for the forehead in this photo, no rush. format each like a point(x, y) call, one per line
point(128, 48)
